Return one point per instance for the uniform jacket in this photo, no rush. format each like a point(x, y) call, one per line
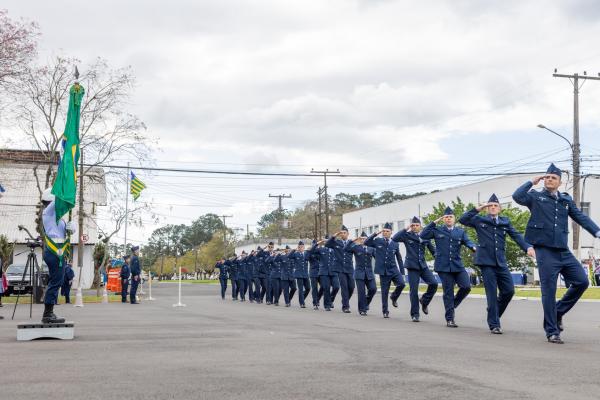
point(388, 260)
point(447, 246)
point(491, 250)
point(326, 259)
point(548, 225)
point(299, 261)
point(343, 259)
point(125, 272)
point(135, 266)
point(313, 261)
point(287, 268)
point(415, 249)
point(363, 258)
point(275, 267)
point(222, 270)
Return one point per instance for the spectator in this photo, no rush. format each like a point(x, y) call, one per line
point(597, 272)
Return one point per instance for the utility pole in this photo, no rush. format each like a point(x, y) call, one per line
point(576, 148)
point(225, 226)
point(280, 197)
point(324, 173)
point(320, 213)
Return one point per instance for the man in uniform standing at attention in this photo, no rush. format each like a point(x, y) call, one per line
point(299, 258)
point(232, 271)
point(124, 275)
point(548, 232)
point(448, 262)
point(241, 275)
point(343, 265)
point(388, 265)
point(363, 273)
point(65, 289)
point(417, 267)
point(220, 265)
point(276, 276)
point(136, 272)
point(491, 257)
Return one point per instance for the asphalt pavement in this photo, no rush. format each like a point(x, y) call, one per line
point(215, 349)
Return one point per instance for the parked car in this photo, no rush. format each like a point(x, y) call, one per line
point(16, 283)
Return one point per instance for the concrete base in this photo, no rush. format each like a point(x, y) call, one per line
point(31, 331)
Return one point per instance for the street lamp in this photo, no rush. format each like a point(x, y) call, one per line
point(557, 134)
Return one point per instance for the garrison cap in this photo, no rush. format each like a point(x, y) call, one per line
point(493, 199)
point(448, 211)
point(554, 170)
point(415, 220)
point(387, 226)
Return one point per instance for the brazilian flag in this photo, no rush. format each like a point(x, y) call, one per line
point(65, 185)
point(136, 186)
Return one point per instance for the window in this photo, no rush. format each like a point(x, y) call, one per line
point(585, 207)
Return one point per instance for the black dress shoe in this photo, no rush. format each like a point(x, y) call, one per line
point(395, 302)
point(288, 305)
point(277, 304)
point(332, 306)
point(346, 310)
point(560, 323)
point(424, 307)
point(269, 303)
point(415, 319)
point(497, 331)
point(315, 307)
point(451, 324)
point(327, 309)
point(386, 314)
point(363, 313)
point(302, 306)
point(555, 339)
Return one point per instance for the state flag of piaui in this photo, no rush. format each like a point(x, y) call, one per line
point(65, 184)
point(136, 186)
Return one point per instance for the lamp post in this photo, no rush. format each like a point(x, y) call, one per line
point(575, 158)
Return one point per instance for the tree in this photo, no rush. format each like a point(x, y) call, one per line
point(18, 47)
point(213, 251)
point(6, 250)
point(202, 229)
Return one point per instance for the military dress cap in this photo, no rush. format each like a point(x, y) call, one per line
point(387, 226)
point(126, 257)
point(344, 229)
point(493, 199)
point(415, 220)
point(271, 244)
point(287, 247)
point(301, 243)
point(364, 234)
point(448, 211)
point(135, 248)
point(554, 170)
point(259, 248)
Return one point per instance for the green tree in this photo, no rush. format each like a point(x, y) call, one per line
point(6, 250)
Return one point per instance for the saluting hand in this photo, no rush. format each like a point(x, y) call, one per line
point(483, 206)
point(537, 179)
point(437, 221)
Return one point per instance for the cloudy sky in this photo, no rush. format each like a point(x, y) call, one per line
point(360, 85)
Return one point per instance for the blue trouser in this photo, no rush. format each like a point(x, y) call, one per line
point(414, 277)
point(234, 289)
point(292, 288)
point(264, 289)
point(124, 286)
point(331, 285)
point(285, 288)
point(449, 279)
point(499, 290)
point(249, 288)
point(241, 287)
point(134, 286)
point(347, 288)
point(56, 277)
point(552, 262)
point(317, 290)
point(386, 281)
point(223, 283)
point(364, 298)
point(257, 296)
point(303, 289)
point(275, 289)
point(65, 290)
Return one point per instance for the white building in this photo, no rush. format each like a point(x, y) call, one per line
point(18, 207)
point(399, 213)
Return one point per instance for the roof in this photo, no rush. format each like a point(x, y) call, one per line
point(18, 202)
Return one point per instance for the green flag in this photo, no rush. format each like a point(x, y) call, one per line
point(65, 185)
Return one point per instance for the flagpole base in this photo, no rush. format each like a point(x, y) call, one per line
point(79, 298)
point(179, 305)
point(150, 298)
point(104, 296)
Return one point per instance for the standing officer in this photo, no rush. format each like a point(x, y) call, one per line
point(287, 275)
point(232, 269)
point(448, 263)
point(388, 265)
point(65, 289)
point(315, 286)
point(299, 258)
point(548, 232)
point(343, 265)
point(124, 275)
point(363, 273)
point(491, 257)
point(136, 271)
point(241, 275)
point(276, 276)
point(417, 267)
point(55, 235)
point(263, 272)
point(256, 265)
point(327, 277)
point(222, 267)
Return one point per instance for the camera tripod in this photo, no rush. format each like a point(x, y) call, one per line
point(32, 268)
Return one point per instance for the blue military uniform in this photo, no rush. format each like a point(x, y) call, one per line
point(417, 268)
point(389, 267)
point(448, 263)
point(344, 268)
point(313, 273)
point(276, 278)
point(548, 231)
point(65, 289)
point(232, 268)
point(124, 275)
point(363, 273)
point(263, 274)
point(136, 271)
point(222, 267)
point(242, 264)
point(256, 262)
point(327, 277)
point(299, 261)
point(287, 276)
point(491, 259)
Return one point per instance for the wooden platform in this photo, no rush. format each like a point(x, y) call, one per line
point(32, 331)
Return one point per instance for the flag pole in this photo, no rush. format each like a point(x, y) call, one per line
point(127, 179)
